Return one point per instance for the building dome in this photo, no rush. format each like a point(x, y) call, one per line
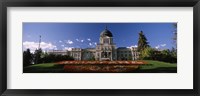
point(106, 32)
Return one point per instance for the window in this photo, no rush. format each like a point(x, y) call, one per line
point(106, 41)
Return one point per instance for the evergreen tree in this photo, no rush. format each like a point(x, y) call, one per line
point(142, 42)
point(37, 56)
point(175, 35)
point(27, 58)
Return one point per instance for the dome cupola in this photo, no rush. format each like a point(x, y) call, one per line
point(106, 32)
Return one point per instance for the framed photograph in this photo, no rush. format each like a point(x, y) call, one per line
point(76, 47)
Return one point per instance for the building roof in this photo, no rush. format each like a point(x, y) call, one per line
point(106, 32)
point(122, 48)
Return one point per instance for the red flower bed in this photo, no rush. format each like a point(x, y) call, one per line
point(99, 68)
point(103, 62)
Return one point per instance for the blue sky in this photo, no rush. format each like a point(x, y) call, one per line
point(59, 36)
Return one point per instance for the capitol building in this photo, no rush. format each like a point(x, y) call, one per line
point(104, 50)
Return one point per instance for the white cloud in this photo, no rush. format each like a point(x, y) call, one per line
point(163, 45)
point(60, 41)
point(63, 45)
point(160, 45)
point(77, 40)
point(92, 44)
point(157, 47)
point(132, 46)
point(34, 45)
point(89, 39)
point(55, 48)
point(69, 42)
point(68, 48)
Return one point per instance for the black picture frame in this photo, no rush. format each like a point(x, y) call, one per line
point(98, 3)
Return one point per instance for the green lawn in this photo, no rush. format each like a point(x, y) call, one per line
point(44, 68)
point(151, 67)
point(157, 67)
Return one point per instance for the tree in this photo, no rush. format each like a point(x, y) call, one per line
point(153, 54)
point(173, 54)
point(175, 35)
point(148, 53)
point(27, 58)
point(49, 58)
point(167, 56)
point(130, 58)
point(92, 58)
point(142, 42)
point(174, 49)
point(37, 56)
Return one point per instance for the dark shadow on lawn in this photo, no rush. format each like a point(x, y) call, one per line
point(55, 69)
point(157, 70)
